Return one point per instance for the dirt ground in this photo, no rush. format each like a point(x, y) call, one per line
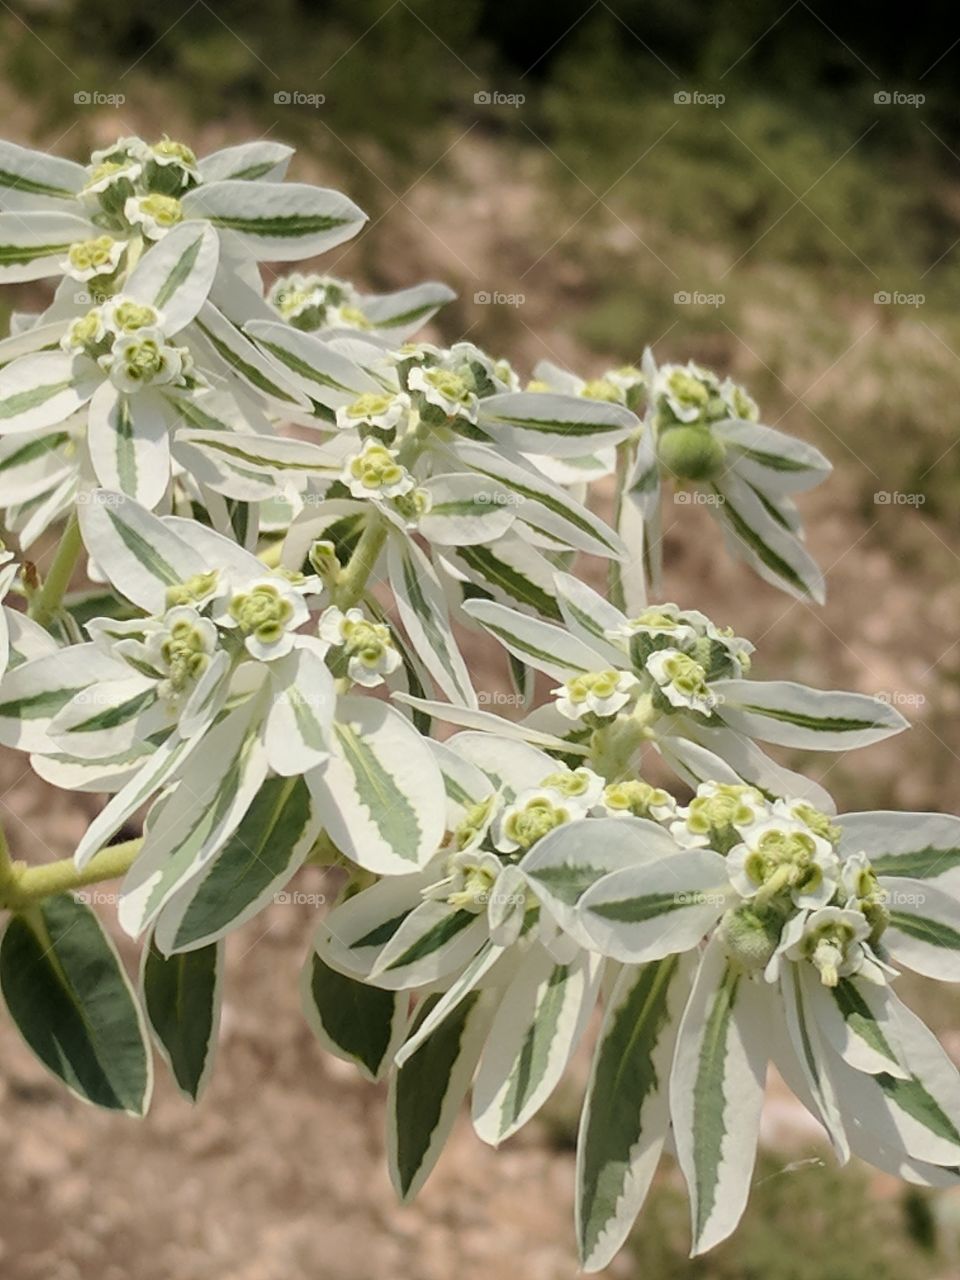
point(279, 1173)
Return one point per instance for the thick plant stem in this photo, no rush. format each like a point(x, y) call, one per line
point(48, 599)
point(353, 582)
point(27, 885)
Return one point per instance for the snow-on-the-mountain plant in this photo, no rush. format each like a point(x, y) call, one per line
point(292, 514)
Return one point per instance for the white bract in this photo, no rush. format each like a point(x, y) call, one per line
point(292, 512)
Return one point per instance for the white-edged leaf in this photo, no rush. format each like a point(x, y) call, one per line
point(238, 356)
point(266, 850)
point(641, 913)
point(856, 1021)
point(261, 161)
point(33, 246)
point(513, 572)
point(434, 940)
point(625, 1114)
point(36, 176)
point(422, 606)
point(129, 441)
point(716, 1094)
point(537, 1026)
point(919, 846)
point(276, 222)
point(426, 1092)
point(465, 510)
point(312, 365)
point(569, 860)
point(72, 1002)
point(402, 313)
point(770, 459)
point(381, 794)
point(197, 819)
point(352, 936)
point(549, 648)
point(545, 507)
point(794, 715)
point(924, 927)
point(511, 766)
point(756, 531)
point(43, 390)
point(140, 555)
point(33, 693)
point(181, 998)
point(486, 721)
point(300, 721)
point(558, 425)
point(352, 1020)
point(176, 274)
point(809, 1056)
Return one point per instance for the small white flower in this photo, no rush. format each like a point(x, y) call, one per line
point(368, 646)
point(142, 359)
point(447, 389)
point(681, 679)
point(87, 259)
point(834, 940)
point(267, 611)
point(581, 787)
point(374, 409)
point(469, 881)
point(533, 814)
point(635, 798)
point(374, 472)
point(780, 856)
point(717, 810)
point(601, 693)
point(658, 621)
point(110, 173)
point(155, 214)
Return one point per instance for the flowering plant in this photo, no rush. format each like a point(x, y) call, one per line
point(290, 511)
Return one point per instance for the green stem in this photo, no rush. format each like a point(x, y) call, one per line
point(28, 885)
point(48, 599)
point(353, 581)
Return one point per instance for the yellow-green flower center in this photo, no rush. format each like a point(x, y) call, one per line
point(192, 589)
point(531, 823)
point(635, 797)
point(128, 317)
point(165, 211)
point(262, 611)
point(88, 254)
point(185, 655)
point(376, 468)
point(598, 684)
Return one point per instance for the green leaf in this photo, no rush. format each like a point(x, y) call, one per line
point(626, 1113)
point(426, 1092)
point(71, 1000)
point(352, 1020)
point(181, 997)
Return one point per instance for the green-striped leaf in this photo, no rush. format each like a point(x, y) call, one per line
point(426, 1092)
point(261, 161)
point(354, 1021)
point(73, 1004)
point(716, 1094)
point(794, 715)
point(25, 173)
point(626, 1113)
point(319, 371)
point(510, 570)
point(924, 928)
point(422, 606)
point(656, 908)
point(549, 648)
point(536, 1029)
point(433, 941)
point(129, 442)
point(256, 862)
point(43, 390)
point(181, 997)
point(35, 246)
point(466, 510)
point(761, 539)
point(276, 222)
point(176, 274)
point(919, 846)
point(557, 425)
point(381, 795)
point(770, 459)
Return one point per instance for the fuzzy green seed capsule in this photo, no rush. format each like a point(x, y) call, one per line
point(691, 453)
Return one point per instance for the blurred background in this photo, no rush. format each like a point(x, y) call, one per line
point(771, 188)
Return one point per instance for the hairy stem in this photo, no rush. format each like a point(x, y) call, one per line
point(27, 885)
point(353, 581)
point(50, 596)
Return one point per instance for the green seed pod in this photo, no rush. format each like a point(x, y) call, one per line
point(691, 453)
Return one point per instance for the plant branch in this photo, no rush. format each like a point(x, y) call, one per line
point(353, 581)
point(48, 599)
point(27, 885)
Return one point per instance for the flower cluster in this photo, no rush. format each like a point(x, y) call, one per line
point(292, 509)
